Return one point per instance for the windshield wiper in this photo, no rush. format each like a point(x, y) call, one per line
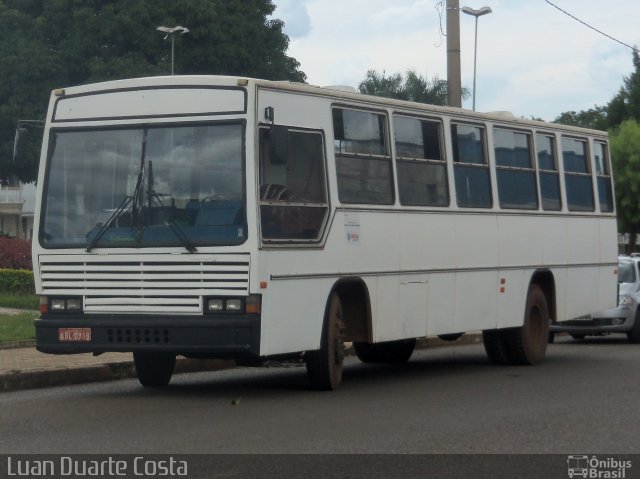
point(154, 198)
point(128, 200)
point(103, 229)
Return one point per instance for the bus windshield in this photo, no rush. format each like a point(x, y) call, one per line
point(145, 186)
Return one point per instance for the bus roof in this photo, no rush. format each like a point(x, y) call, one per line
point(335, 92)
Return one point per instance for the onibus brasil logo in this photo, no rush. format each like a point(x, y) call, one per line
point(595, 467)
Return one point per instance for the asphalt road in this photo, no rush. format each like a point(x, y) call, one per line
point(584, 399)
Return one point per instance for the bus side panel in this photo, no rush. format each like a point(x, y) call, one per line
point(607, 289)
point(413, 303)
point(475, 301)
point(583, 251)
point(580, 295)
point(425, 241)
point(560, 277)
point(442, 288)
point(520, 241)
point(292, 315)
point(583, 241)
point(475, 239)
point(512, 286)
point(554, 241)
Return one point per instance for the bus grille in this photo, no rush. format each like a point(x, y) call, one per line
point(144, 284)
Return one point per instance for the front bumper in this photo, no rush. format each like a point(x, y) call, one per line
point(614, 320)
point(213, 336)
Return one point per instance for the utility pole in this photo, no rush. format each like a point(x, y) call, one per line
point(454, 82)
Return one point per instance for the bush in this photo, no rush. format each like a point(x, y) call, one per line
point(16, 281)
point(15, 253)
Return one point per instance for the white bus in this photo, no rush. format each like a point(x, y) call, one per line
point(225, 217)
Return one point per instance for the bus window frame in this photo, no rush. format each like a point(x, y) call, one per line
point(533, 167)
point(319, 240)
point(605, 175)
point(443, 161)
point(589, 173)
point(363, 156)
point(555, 150)
point(486, 156)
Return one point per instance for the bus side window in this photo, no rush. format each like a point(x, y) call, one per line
point(363, 162)
point(548, 173)
point(603, 175)
point(577, 175)
point(293, 193)
point(516, 176)
point(422, 170)
point(470, 167)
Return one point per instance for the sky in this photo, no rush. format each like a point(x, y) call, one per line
point(532, 60)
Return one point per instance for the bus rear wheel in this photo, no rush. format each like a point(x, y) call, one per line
point(494, 346)
point(527, 345)
point(154, 369)
point(386, 352)
point(324, 366)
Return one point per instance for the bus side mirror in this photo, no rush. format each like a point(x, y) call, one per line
point(279, 145)
point(20, 146)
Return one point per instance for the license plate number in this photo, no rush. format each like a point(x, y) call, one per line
point(74, 334)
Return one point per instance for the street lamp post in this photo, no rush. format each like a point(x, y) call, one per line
point(476, 14)
point(171, 32)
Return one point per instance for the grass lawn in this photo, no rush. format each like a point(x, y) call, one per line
point(14, 327)
point(20, 301)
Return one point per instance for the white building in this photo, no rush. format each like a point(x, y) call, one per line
point(17, 203)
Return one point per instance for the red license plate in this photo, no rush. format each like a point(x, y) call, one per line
point(74, 334)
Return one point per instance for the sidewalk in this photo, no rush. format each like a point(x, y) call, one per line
point(23, 367)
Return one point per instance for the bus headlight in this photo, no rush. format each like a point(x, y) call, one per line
point(250, 305)
point(74, 304)
point(215, 305)
point(234, 305)
point(60, 305)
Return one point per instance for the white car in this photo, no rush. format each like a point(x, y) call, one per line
point(624, 318)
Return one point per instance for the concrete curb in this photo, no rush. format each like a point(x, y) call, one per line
point(17, 380)
point(24, 343)
point(102, 372)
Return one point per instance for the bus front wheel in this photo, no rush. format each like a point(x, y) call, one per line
point(154, 369)
point(324, 366)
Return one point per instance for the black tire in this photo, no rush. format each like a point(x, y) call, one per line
point(154, 369)
point(527, 345)
point(494, 346)
point(552, 337)
point(633, 335)
point(387, 352)
point(324, 366)
point(579, 337)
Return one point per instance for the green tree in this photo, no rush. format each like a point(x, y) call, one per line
point(626, 104)
point(410, 86)
point(624, 142)
point(47, 44)
point(382, 85)
point(595, 118)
